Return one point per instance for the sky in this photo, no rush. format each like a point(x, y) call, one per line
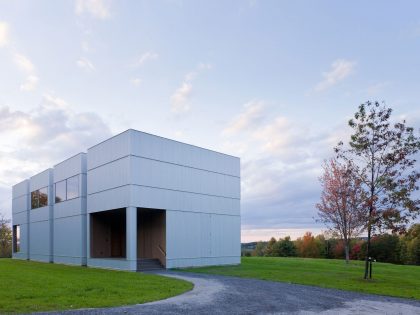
point(272, 82)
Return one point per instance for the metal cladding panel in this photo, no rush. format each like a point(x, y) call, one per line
point(158, 148)
point(202, 261)
point(225, 235)
point(20, 204)
point(69, 208)
point(40, 240)
point(70, 167)
point(175, 200)
point(41, 180)
point(183, 234)
point(39, 214)
point(20, 218)
point(109, 150)
point(68, 236)
point(159, 174)
point(109, 199)
point(108, 176)
point(195, 239)
point(20, 189)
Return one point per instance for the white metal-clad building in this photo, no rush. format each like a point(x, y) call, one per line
point(129, 202)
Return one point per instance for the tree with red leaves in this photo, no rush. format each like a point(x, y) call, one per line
point(382, 155)
point(341, 207)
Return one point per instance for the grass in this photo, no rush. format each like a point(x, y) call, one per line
point(31, 286)
point(388, 279)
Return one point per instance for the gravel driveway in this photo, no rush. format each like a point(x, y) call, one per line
point(229, 295)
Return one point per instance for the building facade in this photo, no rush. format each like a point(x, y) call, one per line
point(130, 199)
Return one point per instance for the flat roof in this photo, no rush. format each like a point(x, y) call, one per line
point(150, 134)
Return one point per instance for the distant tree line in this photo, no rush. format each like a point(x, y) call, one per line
point(389, 248)
point(5, 238)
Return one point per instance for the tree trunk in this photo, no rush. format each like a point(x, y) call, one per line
point(368, 244)
point(347, 251)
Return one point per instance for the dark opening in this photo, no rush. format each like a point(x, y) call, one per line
point(108, 234)
point(16, 238)
point(151, 234)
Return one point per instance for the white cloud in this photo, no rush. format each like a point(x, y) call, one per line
point(85, 64)
point(4, 34)
point(251, 116)
point(23, 63)
point(31, 141)
point(340, 69)
point(136, 82)
point(180, 102)
point(99, 9)
point(26, 65)
point(179, 99)
point(280, 164)
point(30, 83)
point(147, 56)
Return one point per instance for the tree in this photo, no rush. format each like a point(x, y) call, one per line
point(341, 207)
point(382, 158)
point(307, 246)
point(385, 248)
point(259, 249)
point(285, 247)
point(270, 249)
point(411, 248)
point(5, 238)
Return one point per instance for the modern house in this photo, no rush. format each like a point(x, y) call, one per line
point(132, 200)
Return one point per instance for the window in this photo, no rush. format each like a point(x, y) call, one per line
point(73, 187)
point(16, 238)
point(39, 198)
point(43, 197)
point(60, 191)
point(67, 189)
point(34, 199)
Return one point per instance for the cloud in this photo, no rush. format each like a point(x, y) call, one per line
point(280, 164)
point(250, 117)
point(147, 56)
point(23, 63)
point(340, 69)
point(33, 140)
point(30, 83)
point(99, 9)
point(180, 100)
point(136, 82)
point(4, 34)
point(85, 64)
point(26, 66)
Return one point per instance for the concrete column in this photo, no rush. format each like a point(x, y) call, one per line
point(131, 240)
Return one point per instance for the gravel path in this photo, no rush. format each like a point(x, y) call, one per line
point(229, 295)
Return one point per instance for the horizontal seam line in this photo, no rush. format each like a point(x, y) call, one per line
point(156, 160)
point(183, 191)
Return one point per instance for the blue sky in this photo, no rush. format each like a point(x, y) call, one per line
point(273, 82)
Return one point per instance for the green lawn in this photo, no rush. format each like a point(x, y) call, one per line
point(30, 286)
point(393, 280)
